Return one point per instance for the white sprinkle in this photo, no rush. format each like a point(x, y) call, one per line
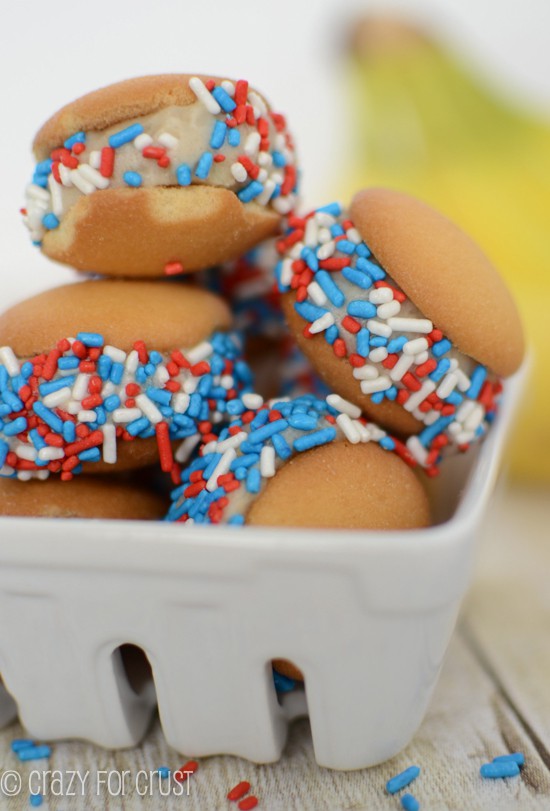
point(168, 140)
point(93, 176)
point(371, 386)
point(161, 376)
point(286, 272)
point(24, 475)
point(27, 452)
point(95, 158)
point(378, 328)
point(190, 385)
point(210, 447)
point(283, 205)
point(109, 449)
point(65, 175)
point(310, 234)
point(401, 367)
point(365, 372)
point(381, 295)
point(142, 140)
point(411, 324)
point(324, 219)
point(430, 417)
point(422, 357)
point(464, 437)
point(199, 352)
point(417, 397)
point(269, 187)
point(7, 357)
point(73, 407)
point(415, 346)
point(257, 101)
point(86, 416)
point(126, 414)
point(378, 354)
point(474, 418)
point(131, 364)
point(221, 468)
point(252, 144)
point(265, 159)
point(464, 411)
point(347, 426)
point(252, 401)
point(234, 441)
point(80, 388)
point(57, 196)
point(108, 388)
point(447, 385)
point(8, 471)
point(229, 88)
point(180, 402)
point(186, 448)
point(376, 432)
point(388, 310)
point(267, 461)
point(354, 236)
point(116, 355)
point(239, 172)
point(324, 236)
point(149, 409)
point(34, 192)
point(364, 432)
point(80, 182)
point(227, 382)
point(322, 323)
point(464, 381)
point(417, 450)
point(326, 250)
point(316, 293)
point(344, 406)
point(57, 398)
point(42, 475)
point(199, 89)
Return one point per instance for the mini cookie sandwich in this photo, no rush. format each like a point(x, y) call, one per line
point(105, 375)
point(160, 175)
point(84, 497)
point(301, 463)
point(402, 314)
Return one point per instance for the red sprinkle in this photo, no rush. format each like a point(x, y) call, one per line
point(248, 803)
point(185, 771)
point(165, 448)
point(173, 268)
point(107, 161)
point(239, 790)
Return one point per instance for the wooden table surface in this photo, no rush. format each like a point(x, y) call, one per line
point(493, 697)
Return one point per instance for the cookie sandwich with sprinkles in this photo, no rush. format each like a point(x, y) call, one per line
point(160, 175)
point(302, 462)
point(108, 375)
point(403, 315)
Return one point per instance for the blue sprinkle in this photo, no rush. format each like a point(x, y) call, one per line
point(195, 402)
point(397, 344)
point(278, 159)
point(477, 380)
point(111, 402)
point(260, 419)
point(50, 221)
point(224, 99)
point(377, 340)
point(90, 455)
point(69, 431)
point(34, 752)
point(331, 334)
point(240, 473)
point(15, 426)
point(250, 192)
point(90, 338)
point(4, 450)
point(12, 400)
point(117, 371)
point(309, 311)
point(183, 174)
point(235, 407)
point(36, 439)
point(357, 277)
point(234, 137)
point(454, 398)
point(391, 393)
point(282, 448)
point(442, 368)
point(330, 288)
point(409, 803)
point(21, 743)
point(56, 385)
point(253, 480)
point(267, 431)
point(40, 180)
point(310, 258)
point(347, 247)
point(44, 167)
point(501, 768)
point(36, 800)
point(161, 396)
point(302, 422)
point(104, 366)
point(164, 772)
point(204, 165)
point(337, 230)
point(333, 208)
point(441, 347)
point(68, 363)
point(283, 684)
point(362, 250)
point(125, 136)
point(304, 443)
point(378, 397)
point(402, 780)
point(428, 434)
point(133, 179)
point(218, 135)
point(137, 426)
point(361, 309)
point(387, 443)
point(517, 757)
point(77, 138)
point(236, 519)
point(362, 342)
point(371, 268)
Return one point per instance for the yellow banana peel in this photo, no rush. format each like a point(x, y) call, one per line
point(424, 123)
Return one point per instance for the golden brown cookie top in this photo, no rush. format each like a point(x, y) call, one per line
point(113, 104)
point(164, 315)
point(356, 487)
point(444, 273)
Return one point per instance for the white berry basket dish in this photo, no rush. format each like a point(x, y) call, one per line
point(366, 615)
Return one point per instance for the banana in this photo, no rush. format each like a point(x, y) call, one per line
point(424, 123)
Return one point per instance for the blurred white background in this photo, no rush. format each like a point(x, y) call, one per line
point(53, 52)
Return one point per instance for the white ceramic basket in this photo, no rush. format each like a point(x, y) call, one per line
point(367, 616)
